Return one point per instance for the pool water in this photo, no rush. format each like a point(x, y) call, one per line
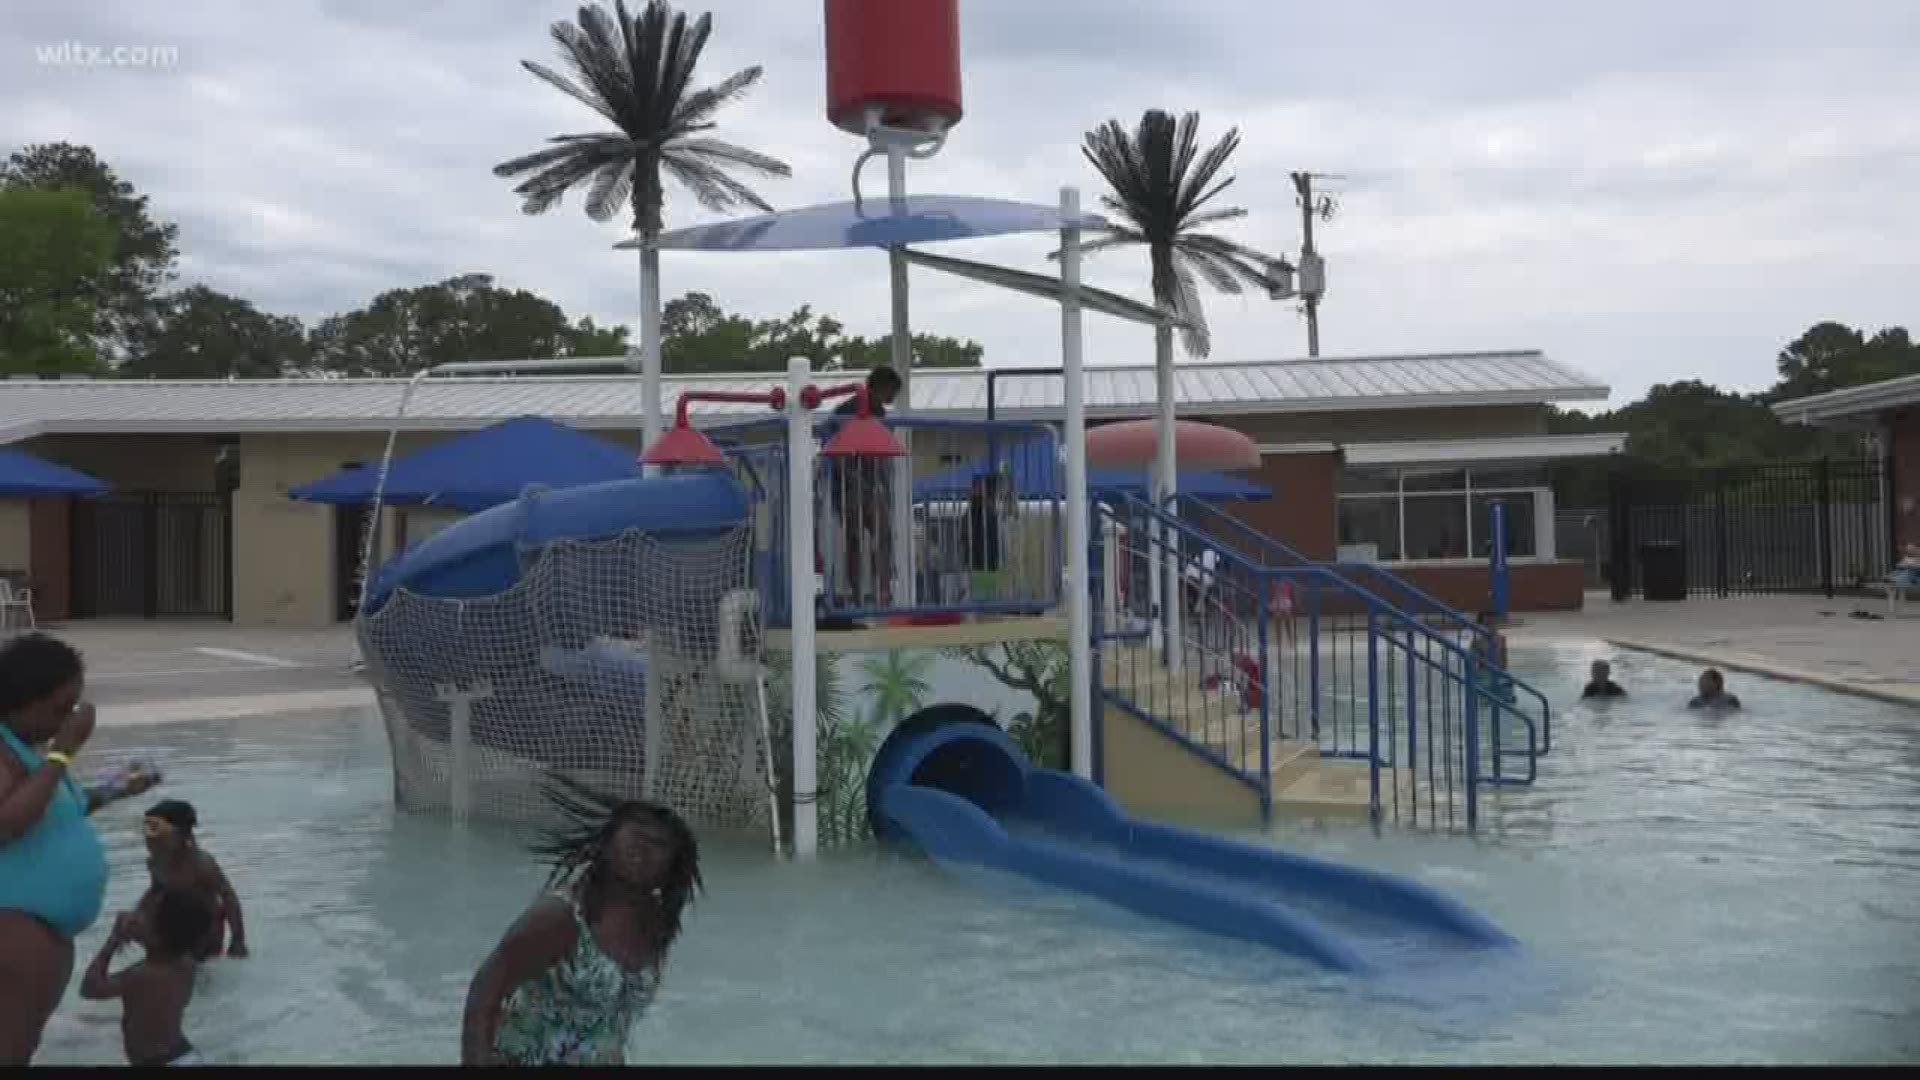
point(1690, 889)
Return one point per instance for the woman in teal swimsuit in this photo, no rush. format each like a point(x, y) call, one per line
point(570, 979)
point(53, 869)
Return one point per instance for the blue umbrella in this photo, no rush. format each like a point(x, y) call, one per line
point(482, 468)
point(23, 476)
point(1036, 473)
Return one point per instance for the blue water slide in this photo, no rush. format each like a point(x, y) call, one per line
point(952, 784)
point(481, 555)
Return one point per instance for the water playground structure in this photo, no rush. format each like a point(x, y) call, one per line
point(659, 636)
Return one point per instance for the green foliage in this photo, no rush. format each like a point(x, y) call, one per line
point(141, 254)
point(198, 333)
point(1042, 670)
point(697, 336)
point(896, 684)
point(55, 249)
point(1690, 424)
point(462, 318)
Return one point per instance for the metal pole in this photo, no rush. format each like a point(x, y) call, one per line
point(802, 581)
point(902, 358)
point(652, 416)
point(1079, 627)
point(1497, 557)
point(1165, 487)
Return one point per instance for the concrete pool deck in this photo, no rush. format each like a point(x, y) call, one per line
point(158, 673)
point(1804, 639)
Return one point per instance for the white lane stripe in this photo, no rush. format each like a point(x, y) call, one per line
point(230, 708)
point(224, 669)
point(246, 657)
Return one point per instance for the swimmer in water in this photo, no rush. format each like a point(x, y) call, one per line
point(1600, 682)
point(570, 979)
point(154, 991)
point(176, 860)
point(1713, 693)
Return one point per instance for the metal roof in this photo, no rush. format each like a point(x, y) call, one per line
point(603, 402)
point(1853, 403)
point(1497, 451)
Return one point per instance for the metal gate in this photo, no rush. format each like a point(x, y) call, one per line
point(153, 555)
point(1813, 527)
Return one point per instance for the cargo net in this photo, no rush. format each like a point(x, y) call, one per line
point(557, 671)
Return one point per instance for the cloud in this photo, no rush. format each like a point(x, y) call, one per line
point(1644, 190)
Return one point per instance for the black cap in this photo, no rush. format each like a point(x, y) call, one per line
point(176, 813)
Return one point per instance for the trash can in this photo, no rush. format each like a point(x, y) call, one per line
point(1663, 570)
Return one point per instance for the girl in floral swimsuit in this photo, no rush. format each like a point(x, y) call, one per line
point(571, 978)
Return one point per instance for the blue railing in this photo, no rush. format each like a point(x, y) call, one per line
point(1413, 690)
point(987, 518)
point(1401, 593)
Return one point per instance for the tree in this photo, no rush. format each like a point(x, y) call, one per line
point(142, 255)
point(698, 336)
point(637, 74)
point(54, 248)
point(1830, 356)
point(463, 318)
point(198, 333)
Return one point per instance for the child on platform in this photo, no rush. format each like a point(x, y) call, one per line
point(154, 991)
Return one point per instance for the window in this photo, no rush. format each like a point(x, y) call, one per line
point(1520, 527)
point(1374, 521)
point(1436, 525)
point(1437, 513)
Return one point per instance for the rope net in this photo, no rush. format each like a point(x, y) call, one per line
point(555, 675)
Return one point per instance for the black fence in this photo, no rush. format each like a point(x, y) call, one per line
point(1805, 527)
point(153, 555)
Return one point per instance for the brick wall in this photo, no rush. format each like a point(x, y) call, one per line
point(1301, 512)
point(1549, 586)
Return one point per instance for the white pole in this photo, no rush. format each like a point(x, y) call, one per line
point(902, 359)
point(652, 416)
point(1164, 488)
point(802, 587)
point(460, 740)
point(1079, 628)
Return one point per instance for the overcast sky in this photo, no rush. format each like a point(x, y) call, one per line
point(1644, 190)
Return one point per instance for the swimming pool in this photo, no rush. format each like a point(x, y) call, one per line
point(1690, 889)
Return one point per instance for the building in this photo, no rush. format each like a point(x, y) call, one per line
point(1890, 411)
point(1392, 458)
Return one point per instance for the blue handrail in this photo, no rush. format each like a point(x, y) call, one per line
point(1466, 674)
point(1439, 607)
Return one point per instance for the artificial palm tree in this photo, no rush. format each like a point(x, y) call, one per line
point(1161, 184)
point(637, 73)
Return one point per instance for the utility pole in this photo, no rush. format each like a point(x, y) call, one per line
point(1313, 274)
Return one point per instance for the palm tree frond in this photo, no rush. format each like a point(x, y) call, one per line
point(716, 151)
point(612, 186)
point(714, 189)
point(1211, 267)
point(1194, 334)
point(568, 87)
point(702, 104)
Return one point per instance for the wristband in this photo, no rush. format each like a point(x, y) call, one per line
point(58, 757)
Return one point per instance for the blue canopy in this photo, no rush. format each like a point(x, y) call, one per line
point(876, 222)
point(484, 468)
point(23, 476)
point(1037, 473)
